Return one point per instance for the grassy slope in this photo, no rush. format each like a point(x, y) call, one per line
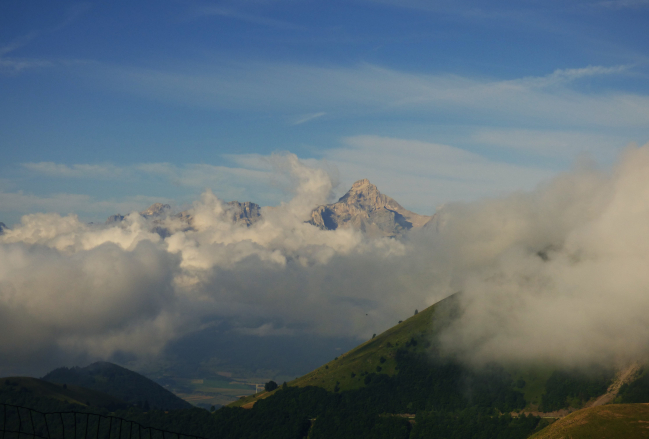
point(367, 356)
point(616, 421)
point(535, 378)
point(72, 394)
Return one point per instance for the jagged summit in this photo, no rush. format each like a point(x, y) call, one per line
point(365, 194)
point(366, 208)
point(2, 228)
point(156, 210)
point(361, 183)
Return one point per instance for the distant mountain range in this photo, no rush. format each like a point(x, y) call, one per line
point(363, 207)
point(120, 383)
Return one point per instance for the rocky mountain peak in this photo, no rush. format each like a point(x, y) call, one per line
point(361, 183)
point(366, 196)
point(155, 210)
point(367, 209)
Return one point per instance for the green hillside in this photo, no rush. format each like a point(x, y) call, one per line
point(27, 391)
point(378, 355)
point(119, 382)
point(541, 388)
point(615, 421)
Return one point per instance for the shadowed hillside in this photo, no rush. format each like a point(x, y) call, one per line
point(120, 383)
point(32, 392)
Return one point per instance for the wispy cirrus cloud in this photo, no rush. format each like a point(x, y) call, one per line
point(230, 182)
point(623, 4)
point(14, 65)
point(564, 76)
point(17, 43)
point(251, 181)
point(420, 174)
point(93, 171)
point(16, 204)
point(192, 175)
point(308, 117)
point(549, 143)
point(425, 175)
point(10, 64)
point(211, 11)
point(367, 89)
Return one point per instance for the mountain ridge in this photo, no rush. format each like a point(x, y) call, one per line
point(19, 390)
point(118, 382)
point(363, 207)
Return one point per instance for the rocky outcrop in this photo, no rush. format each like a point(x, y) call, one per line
point(156, 210)
point(368, 210)
point(247, 213)
point(2, 228)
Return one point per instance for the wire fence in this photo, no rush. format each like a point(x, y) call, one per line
point(25, 423)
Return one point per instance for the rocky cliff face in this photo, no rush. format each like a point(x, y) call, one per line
point(368, 210)
point(247, 213)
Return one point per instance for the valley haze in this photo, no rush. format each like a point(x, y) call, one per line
point(554, 275)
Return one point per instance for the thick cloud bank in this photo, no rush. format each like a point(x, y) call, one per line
point(559, 274)
point(70, 290)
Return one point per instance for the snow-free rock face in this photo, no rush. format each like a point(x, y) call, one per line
point(156, 210)
point(368, 210)
point(247, 212)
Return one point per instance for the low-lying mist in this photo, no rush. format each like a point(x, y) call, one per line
point(558, 274)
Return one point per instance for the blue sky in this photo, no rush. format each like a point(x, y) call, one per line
point(110, 106)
